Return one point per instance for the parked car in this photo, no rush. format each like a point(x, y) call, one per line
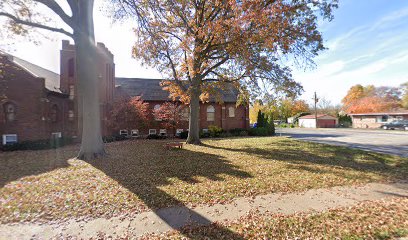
point(397, 124)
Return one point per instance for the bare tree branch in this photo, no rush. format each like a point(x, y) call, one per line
point(215, 66)
point(56, 8)
point(37, 25)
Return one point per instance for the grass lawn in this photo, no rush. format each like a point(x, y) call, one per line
point(138, 175)
point(368, 220)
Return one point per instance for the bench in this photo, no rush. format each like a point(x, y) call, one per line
point(173, 144)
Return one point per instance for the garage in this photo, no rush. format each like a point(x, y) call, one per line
point(323, 121)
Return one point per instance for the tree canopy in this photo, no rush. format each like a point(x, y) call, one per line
point(361, 99)
point(204, 46)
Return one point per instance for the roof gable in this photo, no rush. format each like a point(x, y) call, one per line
point(150, 89)
point(52, 79)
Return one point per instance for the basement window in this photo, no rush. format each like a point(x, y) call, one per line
point(9, 139)
point(56, 135)
point(123, 132)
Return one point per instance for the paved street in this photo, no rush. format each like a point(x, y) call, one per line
point(391, 142)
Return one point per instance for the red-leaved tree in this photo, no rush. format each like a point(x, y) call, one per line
point(171, 114)
point(130, 114)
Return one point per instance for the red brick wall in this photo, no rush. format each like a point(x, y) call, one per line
point(33, 103)
point(106, 73)
point(222, 119)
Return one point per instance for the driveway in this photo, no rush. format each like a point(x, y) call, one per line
point(390, 142)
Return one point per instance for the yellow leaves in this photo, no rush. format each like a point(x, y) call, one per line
point(176, 92)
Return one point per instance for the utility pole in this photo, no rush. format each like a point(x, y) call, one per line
point(315, 99)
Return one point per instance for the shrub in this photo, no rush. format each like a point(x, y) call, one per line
point(262, 120)
point(259, 131)
point(155, 136)
point(237, 131)
point(38, 144)
point(120, 138)
point(183, 135)
point(226, 135)
point(214, 131)
point(243, 133)
point(271, 126)
point(204, 134)
point(108, 139)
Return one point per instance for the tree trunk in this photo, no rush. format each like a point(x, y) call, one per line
point(88, 88)
point(193, 128)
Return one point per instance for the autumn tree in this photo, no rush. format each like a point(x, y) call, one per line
point(360, 99)
point(300, 106)
point(404, 98)
point(204, 46)
point(354, 93)
point(254, 109)
point(23, 17)
point(130, 114)
point(283, 108)
point(171, 114)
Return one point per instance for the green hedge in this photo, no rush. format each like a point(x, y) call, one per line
point(259, 131)
point(38, 144)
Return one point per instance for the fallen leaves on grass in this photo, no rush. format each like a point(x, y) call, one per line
point(383, 219)
point(141, 175)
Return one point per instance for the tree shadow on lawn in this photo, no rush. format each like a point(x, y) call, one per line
point(335, 156)
point(18, 164)
point(148, 166)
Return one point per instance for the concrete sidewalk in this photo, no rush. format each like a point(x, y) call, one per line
point(172, 218)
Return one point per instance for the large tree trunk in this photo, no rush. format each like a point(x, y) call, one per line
point(193, 128)
point(88, 88)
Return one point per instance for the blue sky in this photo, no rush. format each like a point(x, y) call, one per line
point(368, 44)
point(367, 41)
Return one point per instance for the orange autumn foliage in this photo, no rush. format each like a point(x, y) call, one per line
point(371, 104)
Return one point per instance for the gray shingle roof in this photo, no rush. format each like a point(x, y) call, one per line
point(52, 79)
point(150, 89)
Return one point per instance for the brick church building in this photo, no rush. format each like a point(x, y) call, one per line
point(38, 104)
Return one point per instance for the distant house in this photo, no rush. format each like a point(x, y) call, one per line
point(375, 120)
point(323, 121)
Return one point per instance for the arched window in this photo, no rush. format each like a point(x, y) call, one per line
point(71, 115)
point(71, 67)
point(71, 92)
point(210, 113)
point(155, 109)
point(231, 112)
point(54, 113)
point(10, 112)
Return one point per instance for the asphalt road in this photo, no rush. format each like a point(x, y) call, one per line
point(390, 142)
